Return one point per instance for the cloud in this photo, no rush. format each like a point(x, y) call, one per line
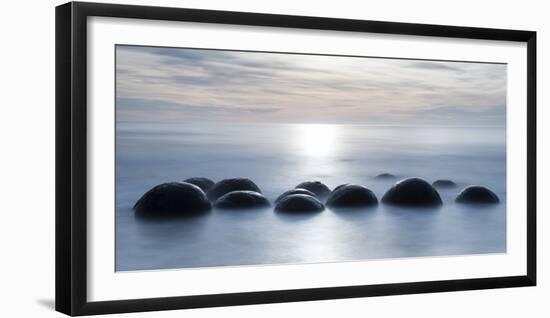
point(445, 66)
point(147, 107)
point(215, 85)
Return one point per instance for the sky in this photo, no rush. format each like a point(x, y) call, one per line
point(155, 84)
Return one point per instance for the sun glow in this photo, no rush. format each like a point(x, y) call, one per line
point(316, 140)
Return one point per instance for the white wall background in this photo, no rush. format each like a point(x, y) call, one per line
point(27, 158)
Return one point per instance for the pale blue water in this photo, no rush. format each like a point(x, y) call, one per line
point(278, 157)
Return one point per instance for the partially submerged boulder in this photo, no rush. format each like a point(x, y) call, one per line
point(297, 203)
point(352, 195)
point(204, 183)
point(444, 183)
point(477, 194)
point(413, 192)
point(385, 176)
point(228, 185)
point(294, 191)
point(172, 199)
point(317, 187)
point(339, 186)
point(241, 200)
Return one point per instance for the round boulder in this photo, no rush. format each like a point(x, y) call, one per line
point(385, 176)
point(299, 203)
point(172, 199)
point(350, 196)
point(204, 183)
point(443, 183)
point(338, 187)
point(477, 194)
point(294, 191)
point(413, 192)
point(228, 185)
point(317, 187)
point(241, 200)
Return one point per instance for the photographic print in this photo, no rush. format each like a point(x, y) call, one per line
point(234, 158)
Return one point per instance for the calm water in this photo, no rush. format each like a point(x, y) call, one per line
point(277, 158)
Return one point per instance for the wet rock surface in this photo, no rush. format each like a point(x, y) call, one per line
point(412, 192)
point(172, 199)
point(241, 200)
point(298, 203)
point(352, 195)
point(204, 183)
point(228, 185)
point(317, 187)
point(477, 194)
point(294, 191)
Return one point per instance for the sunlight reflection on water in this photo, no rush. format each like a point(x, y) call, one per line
point(316, 140)
point(277, 158)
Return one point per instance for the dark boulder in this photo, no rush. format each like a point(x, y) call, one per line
point(352, 195)
point(385, 176)
point(228, 185)
point(477, 194)
point(414, 192)
point(294, 191)
point(339, 186)
point(317, 187)
point(172, 199)
point(443, 183)
point(241, 200)
point(299, 203)
point(204, 183)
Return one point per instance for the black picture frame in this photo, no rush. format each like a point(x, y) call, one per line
point(71, 157)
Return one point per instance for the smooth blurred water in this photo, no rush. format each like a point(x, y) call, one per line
point(278, 157)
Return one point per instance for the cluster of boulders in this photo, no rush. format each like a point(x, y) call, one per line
point(196, 195)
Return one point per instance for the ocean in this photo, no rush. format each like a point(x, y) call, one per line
point(277, 157)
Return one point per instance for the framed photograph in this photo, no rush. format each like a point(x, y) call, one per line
point(213, 158)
